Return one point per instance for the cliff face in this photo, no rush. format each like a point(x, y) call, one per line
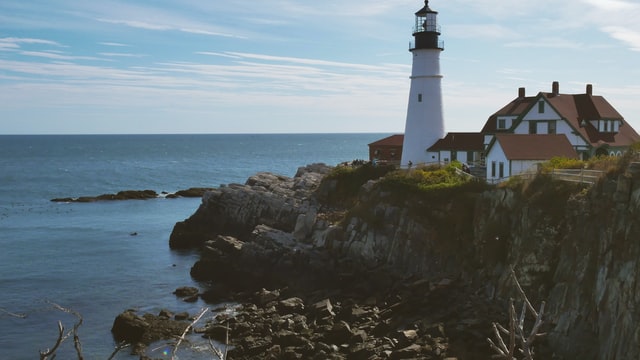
point(576, 250)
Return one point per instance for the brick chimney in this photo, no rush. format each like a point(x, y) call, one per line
point(589, 89)
point(521, 92)
point(555, 88)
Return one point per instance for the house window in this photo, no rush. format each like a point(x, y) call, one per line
point(552, 127)
point(419, 97)
point(541, 107)
point(454, 155)
point(533, 127)
point(493, 169)
point(606, 126)
point(501, 175)
point(470, 158)
point(502, 123)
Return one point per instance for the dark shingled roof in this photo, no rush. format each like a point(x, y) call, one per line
point(460, 141)
point(535, 146)
point(573, 108)
point(393, 140)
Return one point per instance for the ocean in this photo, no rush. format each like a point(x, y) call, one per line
point(83, 256)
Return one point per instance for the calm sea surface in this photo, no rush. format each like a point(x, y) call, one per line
point(82, 256)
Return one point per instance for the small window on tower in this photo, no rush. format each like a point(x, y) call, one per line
point(419, 97)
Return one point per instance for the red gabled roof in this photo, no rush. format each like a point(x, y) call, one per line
point(459, 141)
point(393, 140)
point(574, 108)
point(515, 108)
point(535, 146)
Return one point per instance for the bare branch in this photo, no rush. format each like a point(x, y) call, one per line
point(186, 330)
point(120, 346)
point(215, 350)
point(522, 294)
point(518, 340)
point(21, 316)
point(44, 355)
point(76, 338)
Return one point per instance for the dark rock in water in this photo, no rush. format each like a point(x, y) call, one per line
point(190, 193)
point(140, 331)
point(186, 291)
point(129, 327)
point(182, 316)
point(122, 195)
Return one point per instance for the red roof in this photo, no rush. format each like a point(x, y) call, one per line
point(393, 140)
point(574, 109)
point(460, 141)
point(535, 146)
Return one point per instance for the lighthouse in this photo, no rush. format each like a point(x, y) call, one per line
point(425, 122)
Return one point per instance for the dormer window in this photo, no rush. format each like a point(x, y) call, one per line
point(502, 123)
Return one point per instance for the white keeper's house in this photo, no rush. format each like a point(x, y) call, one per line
point(516, 137)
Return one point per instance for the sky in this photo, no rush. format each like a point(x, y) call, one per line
point(285, 66)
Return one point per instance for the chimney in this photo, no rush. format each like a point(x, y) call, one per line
point(555, 88)
point(589, 89)
point(521, 93)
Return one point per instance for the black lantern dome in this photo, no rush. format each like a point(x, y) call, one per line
point(426, 30)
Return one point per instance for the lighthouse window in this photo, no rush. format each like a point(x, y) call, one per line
point(419, 97)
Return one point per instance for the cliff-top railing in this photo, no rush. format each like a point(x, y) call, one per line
point(582, 176)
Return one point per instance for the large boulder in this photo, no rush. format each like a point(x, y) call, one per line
point(273, 200)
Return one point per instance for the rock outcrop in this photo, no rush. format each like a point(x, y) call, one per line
point(575, 248)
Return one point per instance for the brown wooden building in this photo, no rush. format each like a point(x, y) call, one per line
point(387, 150)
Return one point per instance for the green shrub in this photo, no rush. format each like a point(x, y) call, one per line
point(430, 181)
point(350, 178)
point(561, 163)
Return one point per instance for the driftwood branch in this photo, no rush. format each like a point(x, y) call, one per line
point(120, 346)
point(16, 315)
point(76, 338)
point(217, 352)
point(51, 353)
point(45, 354)
point(520, 341)
point(186, 331)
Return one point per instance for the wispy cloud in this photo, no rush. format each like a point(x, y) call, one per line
point(553, 43)
point(629, 36)
point(114, 44)
point(14, 40)
point(56, 55)
point(124, 55)
point(484, 31)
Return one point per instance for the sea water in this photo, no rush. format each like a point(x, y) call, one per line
point(99, 259)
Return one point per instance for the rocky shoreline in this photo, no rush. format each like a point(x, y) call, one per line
point(393, 277)
point(298, 300)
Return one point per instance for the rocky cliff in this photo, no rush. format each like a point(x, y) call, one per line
point(576, 248)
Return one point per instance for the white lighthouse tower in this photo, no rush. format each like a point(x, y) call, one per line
point(425, 122)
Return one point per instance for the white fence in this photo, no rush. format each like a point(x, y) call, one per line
point(583, 176)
